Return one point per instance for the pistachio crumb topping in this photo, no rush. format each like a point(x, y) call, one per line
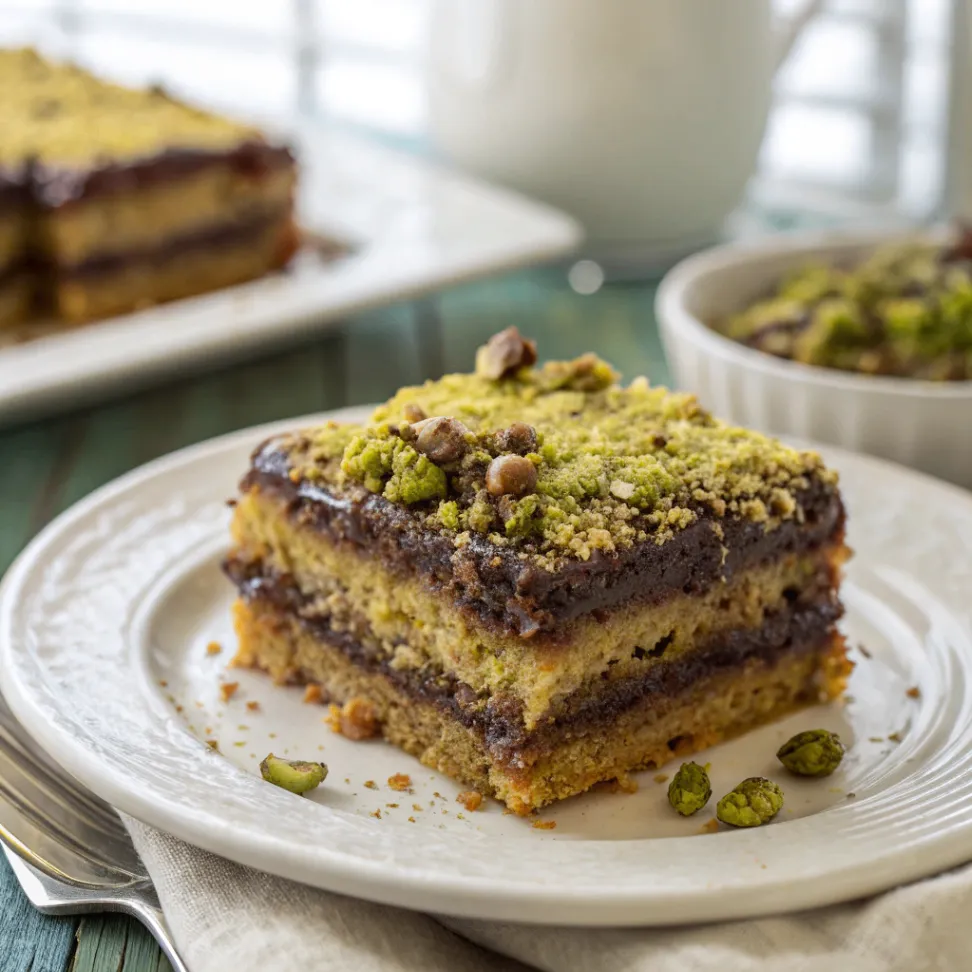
point(556, 461)
point(905, 310)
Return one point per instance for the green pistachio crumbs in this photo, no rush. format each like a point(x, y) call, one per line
point(613, 465)
point(752, 803)
point(689, 790)
point(906, 311)
point(293, 774)
point(387, 465)
point(815, 752)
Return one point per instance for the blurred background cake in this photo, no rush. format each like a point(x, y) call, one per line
point(116, 198)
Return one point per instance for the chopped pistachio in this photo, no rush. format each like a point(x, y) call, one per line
point(511, 475)
point(388, 465)
point(442, 439)
point(293, 774)
point(519, 438)
point(504, 354)
point(558, 462)
point(905, 310)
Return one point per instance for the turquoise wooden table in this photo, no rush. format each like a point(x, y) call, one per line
point(48, 465)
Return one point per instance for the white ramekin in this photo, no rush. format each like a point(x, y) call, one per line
point(924, 424)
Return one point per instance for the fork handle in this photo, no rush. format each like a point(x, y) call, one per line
point(138, 900)
point(144, 908)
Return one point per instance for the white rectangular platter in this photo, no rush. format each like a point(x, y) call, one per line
point(411, 227)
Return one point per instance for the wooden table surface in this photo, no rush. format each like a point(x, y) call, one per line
point(47, 466)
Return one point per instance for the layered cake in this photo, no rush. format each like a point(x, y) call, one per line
point(113, 199)
point(534, 579)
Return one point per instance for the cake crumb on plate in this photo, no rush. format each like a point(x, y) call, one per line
point(356, 719)
point(470, 799)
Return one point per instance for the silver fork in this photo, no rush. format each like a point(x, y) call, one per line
point(69, 849)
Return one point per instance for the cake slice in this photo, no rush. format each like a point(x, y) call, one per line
point(534, 579)
point(121, 198)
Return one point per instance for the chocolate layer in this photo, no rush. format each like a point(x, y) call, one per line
point(56, 186)
point(798, 627)
point(52, 187)
point(505, 591)
point(14, 190)
point(210, 238)
point(14, 270)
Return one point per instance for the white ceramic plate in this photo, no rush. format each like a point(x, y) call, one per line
point(412, 227)
point(104, 623)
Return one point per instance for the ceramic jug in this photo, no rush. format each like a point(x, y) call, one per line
point(642, 118)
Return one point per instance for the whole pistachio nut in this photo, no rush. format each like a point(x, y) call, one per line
point(689, 790)
point(504, 354)
point(815, 752)
point(753, 802)
point(413, 413)
point(441, 438)
point(511, 476)
point(518, 437)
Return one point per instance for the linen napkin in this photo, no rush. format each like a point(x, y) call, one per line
point(229, 918)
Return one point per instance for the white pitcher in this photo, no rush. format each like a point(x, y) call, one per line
point(642, 118)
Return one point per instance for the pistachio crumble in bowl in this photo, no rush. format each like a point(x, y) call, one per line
point(860, 340)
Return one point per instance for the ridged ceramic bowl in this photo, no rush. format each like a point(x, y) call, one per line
point(923, 424)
